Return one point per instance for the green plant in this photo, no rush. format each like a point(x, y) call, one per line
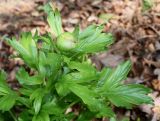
point(147, 4)
point(64, 77)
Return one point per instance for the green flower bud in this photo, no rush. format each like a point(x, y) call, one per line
point(66, 41)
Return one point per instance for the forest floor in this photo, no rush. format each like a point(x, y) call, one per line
point(137, 34)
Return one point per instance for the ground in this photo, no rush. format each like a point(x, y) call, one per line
point(137, 37)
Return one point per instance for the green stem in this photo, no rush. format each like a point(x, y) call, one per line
point(13, 116)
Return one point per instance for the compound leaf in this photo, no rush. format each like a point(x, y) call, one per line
point(115, 76)
point(54, 20)
point(24, 78)
point(93, 40)
point(128, 95)
point(7, 102)
point(89, 98)
point(111, 86)
point(26, 47)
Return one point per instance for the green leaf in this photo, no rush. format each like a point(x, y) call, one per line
point(26, 47)
point(62, 87)
point(2, 76)
point(128, 95)
point(7, 102)
point(76, 32)
point(105, 17)
point(148, 4)
point(18, 47)
point(49, 64)
point(89, 98)
point(47, 43)
point(25, 79)
point(52, 108)
point(26, 90)
point(4, 88)
point(104, 74)
point(86, 116)
point(37, 104)
point(114, 77)
point(24, 101)
point(85, 72)
point(82, 67)
point(37, 97)
point(24, 116)
point(28, 43)
point(54, 20)
point(93, 40)
point(80, 73)
point(7, 96)
point(111, 87)
point(42, 116)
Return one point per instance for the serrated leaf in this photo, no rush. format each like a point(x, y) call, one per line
point(82, 73)
point(85, 72)
point(24, 78)
point(46, 43)
point(7, 96)
point(89, 98)
point(26, 47)
point(28, 43)
point(82, 67)
point(4, 89)
point(93, 40)
point(18, 47)
point(54, 20)
point(128, 95)
point(103, 76)
point(122, 95)
point(24, 101)
point(7, 102)
point(115, 76)
point(26, 90)
point(79, 77)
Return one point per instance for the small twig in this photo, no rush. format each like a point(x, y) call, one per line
point(147, 36)
point(154, 29)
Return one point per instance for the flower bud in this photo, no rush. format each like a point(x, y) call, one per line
point(66, 41)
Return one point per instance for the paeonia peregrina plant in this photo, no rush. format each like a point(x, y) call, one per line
point(64, 77)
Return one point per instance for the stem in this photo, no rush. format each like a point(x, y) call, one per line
point(13, 116)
